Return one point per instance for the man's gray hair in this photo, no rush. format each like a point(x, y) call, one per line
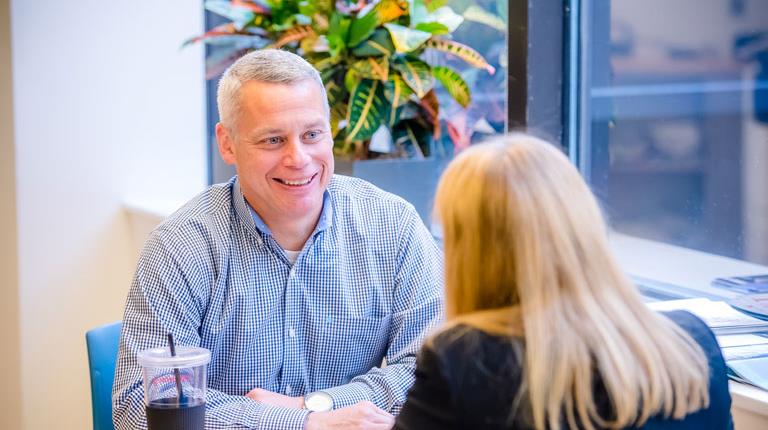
point(266, 65)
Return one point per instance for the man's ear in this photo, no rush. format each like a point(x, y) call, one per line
point(226, 143)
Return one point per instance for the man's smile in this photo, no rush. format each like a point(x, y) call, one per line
point(297, 182)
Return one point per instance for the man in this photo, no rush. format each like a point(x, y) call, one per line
point(298, 281)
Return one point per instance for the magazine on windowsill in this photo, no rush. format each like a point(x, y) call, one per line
point(743, 339)
point(721, 317)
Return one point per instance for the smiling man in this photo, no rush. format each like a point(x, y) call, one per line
point(299, 281)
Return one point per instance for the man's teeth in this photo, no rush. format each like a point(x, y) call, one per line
point(297, 183)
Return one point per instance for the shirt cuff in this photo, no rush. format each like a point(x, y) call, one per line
point(348, 394)
point(283, 418)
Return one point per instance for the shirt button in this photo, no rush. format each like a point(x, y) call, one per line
point(291, 332)
point(292, 275)
point(288, 390)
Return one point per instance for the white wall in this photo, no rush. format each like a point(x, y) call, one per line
point(108, 109)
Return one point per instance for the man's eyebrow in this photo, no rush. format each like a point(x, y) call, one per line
point(260, 133)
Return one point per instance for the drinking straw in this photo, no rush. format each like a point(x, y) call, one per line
point(176, 373)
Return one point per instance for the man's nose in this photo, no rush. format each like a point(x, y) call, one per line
point(295, 154)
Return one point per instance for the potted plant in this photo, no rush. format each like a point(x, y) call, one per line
point(370, 57)
point(379, 61)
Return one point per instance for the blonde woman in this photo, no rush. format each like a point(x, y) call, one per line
point(543, 330)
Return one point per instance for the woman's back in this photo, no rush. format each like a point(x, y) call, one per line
point(471, 380)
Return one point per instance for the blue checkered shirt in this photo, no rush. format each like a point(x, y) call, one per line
point(367, 286)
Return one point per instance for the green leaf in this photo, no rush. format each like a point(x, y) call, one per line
point(406, 39)
point(221, 30)
point(398, 93)
point(351, 79)
point(433, 27)
point(373, 68)
point(240, 16)
point(446, 16)
point(416, 74)
point(462, 51)
point(293, 35)
point(433, 5)
point(454, 84)
point(377, 45)
point(477, 14)
point(361, 28)
point(367, 108)
point(338, 31)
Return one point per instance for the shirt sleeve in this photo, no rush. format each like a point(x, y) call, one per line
point(430, 404)
point(417, 308)
point(166, 297)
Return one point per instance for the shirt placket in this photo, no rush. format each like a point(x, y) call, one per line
point(291, 381)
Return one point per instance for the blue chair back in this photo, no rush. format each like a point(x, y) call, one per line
point(102, 343)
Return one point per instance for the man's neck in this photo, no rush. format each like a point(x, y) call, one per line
point(290, 233)
point(293, 235)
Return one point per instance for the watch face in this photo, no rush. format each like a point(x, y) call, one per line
point(318, 402)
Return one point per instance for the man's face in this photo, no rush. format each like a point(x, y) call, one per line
point(282, 148)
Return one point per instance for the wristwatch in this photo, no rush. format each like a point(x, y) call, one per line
point(318, 402)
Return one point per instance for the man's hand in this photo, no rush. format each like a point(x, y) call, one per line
point(275, 399)
point(363, 415)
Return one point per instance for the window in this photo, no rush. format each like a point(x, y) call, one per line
point(672, 128)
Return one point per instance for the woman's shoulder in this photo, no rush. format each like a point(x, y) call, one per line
point(695, 327)
point(464, 339)
point(466, 352)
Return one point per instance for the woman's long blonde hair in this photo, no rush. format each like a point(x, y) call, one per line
point(526, 255)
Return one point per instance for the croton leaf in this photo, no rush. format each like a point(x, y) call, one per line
point(406, 39)
point(338, 31)
point(398, 93)
point(431, 106)
point(412, 137)
point(377, 45)
point(239, 15)
point(433, 27)
point(361, 28)
point(446, 16)
point(218, 61)
point(351, 79)
point(462, 51)
point(416, 74)
point(252, 6)
point(433, 5)
point(453, 83)
point(367, 108)
point(373, 68)
point(220, 30)
point(477, 14)
point(292, 35)
point(389, 10)
point(364, 25)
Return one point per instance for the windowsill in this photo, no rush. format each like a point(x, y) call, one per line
point(676, 271)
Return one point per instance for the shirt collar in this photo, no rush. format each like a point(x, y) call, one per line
point(326, 215)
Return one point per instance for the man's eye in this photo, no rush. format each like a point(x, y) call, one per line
point(272, 140)
point(311, 135)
